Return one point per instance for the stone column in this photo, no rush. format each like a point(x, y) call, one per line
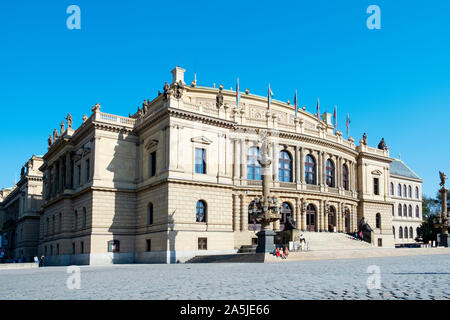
point(60, 174)
point(323, 168)
point(303, 213)
point(319, 168)
point(297, 163)
point(319, 216)
point(302, 165)
point(236, 160)
point(297, 213)
point(275, 152)
point(243, 162)
point(276, 225)
point(325, 216)
point(244, 214)
point(55, 178)
point(68, 171)
point(236, 212)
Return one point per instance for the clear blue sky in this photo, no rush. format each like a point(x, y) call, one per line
point(394, 82)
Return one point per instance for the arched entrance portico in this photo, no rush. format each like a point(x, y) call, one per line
point(347, 221)
point(311, 218)
point(286, 212)
point(331, 219)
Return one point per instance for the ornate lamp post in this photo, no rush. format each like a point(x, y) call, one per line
point(444, 240)
point(265, 209)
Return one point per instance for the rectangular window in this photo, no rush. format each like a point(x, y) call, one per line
point(149, 245)
point(152, 164)
point(73, 248)
point(376, 187)
point(200, 160)
point(114, 246)
point(82, 247)
point(57, 249)
point(380, 242)
point(202, 244)
point(88, 170)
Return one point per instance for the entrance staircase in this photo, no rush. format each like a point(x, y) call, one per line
point(320, 241)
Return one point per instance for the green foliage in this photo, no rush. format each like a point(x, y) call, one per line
point(431, 211)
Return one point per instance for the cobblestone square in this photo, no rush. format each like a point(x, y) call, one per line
point(415, 277)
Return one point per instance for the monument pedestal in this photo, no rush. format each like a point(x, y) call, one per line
point(443, 240)
point(265, 241)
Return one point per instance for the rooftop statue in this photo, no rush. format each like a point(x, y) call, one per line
point(443, 177)
point(96, 107)
point(55, 135)
point(219, 97)
point(69, 121)
point(382, 145)
point(167, 90)
point(63, 129)
point(49, 140)
point(364, 139)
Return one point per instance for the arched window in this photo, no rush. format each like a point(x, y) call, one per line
point(405, 232)
point(75, 220)
point(405, 210)
point(253, 166)
point(345, 180)
point(393, 231)
point(399, 210)
point(60, 222)
point(417, 192)
point(404, 190)
point(285, 167)
point(400, 233)
point(399, 190)
point(329, 173)
point(83, 221)
point(392, 189)
point(417, 212)
point(378, 221)
point(310, 170)
point(53, 224)
point(410, 211)
point(393, 210)
point(331, 219)
point(409, 192)
point(200, 211)
point(411, 235)
point(150, 213)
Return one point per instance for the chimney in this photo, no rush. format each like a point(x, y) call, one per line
point(178, 74)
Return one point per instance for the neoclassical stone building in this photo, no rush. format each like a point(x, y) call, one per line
point(406, 191)
point(175, 179)
point(20, 213)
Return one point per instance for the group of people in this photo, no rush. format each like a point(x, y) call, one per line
point(282, 252)
point(359, 236)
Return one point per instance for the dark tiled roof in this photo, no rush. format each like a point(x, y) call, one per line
point(398, 168)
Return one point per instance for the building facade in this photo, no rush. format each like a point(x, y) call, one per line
point(175, 179)
point(20, 214)
point(406, 191)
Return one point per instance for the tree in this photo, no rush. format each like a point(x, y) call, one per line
point(431, 211)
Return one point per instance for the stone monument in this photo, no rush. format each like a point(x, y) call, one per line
point(443, 238)
point(265, 209)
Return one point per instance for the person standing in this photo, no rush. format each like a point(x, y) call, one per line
point(41, 261)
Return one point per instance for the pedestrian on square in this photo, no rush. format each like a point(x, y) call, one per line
point(286, 252)
point(278, 252)
point(41, 261)
point(361, 236)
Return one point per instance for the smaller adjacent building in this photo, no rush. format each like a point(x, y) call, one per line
point(19, 214)
point(406, 193)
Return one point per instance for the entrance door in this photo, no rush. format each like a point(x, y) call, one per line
point(331, 219)
point(310, 218)
point(347, 222)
